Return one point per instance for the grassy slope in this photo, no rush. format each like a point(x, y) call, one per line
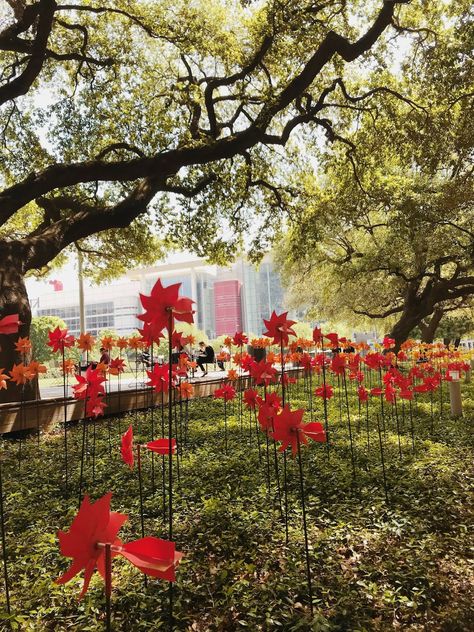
point(376, 565)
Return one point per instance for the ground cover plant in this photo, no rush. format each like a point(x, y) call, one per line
point(376, 564)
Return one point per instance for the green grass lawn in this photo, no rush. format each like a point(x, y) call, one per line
point(376, 565)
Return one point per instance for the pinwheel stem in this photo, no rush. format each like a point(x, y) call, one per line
point(305, 528)
point(163, 462)
point(136, 388)
point(83, 449)
point(65, 423)
point(382, 459)
point(432, 412)
point(20, 447)
point(310, 395)
point(395, 408)
point(170, 456)
point(140, 491)
point(285, 482)
point(382, 408)
point(412, 428)
point(257, 433)
point(4, 542)
point(325, 404)
point(349, 426)
point(119, 381)
point(225, 427)
point(367, 425)
point(108, 585)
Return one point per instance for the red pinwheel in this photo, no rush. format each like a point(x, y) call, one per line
point(239, 339)
point(177, 339)
point(89, 385)
point(59, 339)
point(286, 379)
point(153, 556)
point(159, 378)
point(338, 364)
point(263, 373)
point(406, 393)
point(318, 337)
point(325, 391)
point(377, 390)
point(126, 449)
point(162, 303)
point(289, 429)
point(149, 336)
point(388, 343)
point(226, 392)
point(247, 362)
point(374, 360)
point(271, 399)
point(363, 394)
point(93, 524)
point(162, 446)
point(250, 398)
point(95, 406)
point(10, 324)
point(279, 328)
point(266, 414)
point(91, 388)
point(94, 527)
point(306, 362)
point(390, 393)
point(333, 339)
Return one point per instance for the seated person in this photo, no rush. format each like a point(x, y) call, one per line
point(205, 356)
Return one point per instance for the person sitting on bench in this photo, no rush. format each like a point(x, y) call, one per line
point(205, 356)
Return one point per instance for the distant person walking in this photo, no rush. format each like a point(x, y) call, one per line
point(205, 356)
point(105, 357)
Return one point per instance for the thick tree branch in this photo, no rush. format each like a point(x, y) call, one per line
point(22, 83)
point(169, 162)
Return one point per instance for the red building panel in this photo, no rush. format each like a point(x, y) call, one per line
point(228, 307)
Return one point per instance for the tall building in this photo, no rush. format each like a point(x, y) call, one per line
point(228, 307)
point(113, 306)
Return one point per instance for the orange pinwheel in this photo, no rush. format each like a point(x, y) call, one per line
point(232, 375)
point(20, 374)
point(85, 342)
point(23, 345)
point(36, 368)
point(3, 379)
point(135, 342)
point(68, 367)
point(121, 343)
point(116, 366)
point(107, 342)
point(186, 390)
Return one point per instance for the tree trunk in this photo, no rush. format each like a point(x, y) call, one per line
point(410, 318)
point(14, 300)
point(428, 330)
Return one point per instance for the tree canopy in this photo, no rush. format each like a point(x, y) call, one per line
point(388, 230)
point(113, 108)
